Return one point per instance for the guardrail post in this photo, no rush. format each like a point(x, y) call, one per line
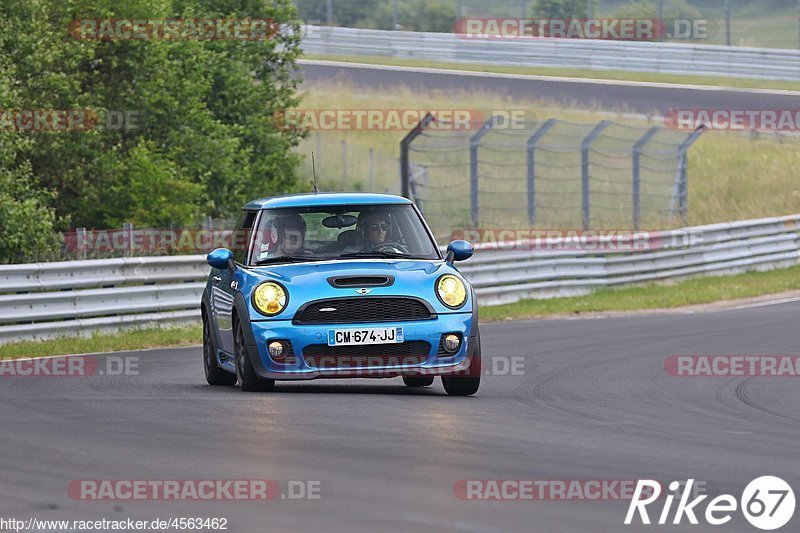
point(533, 140)
point(681, 187)
point(405, 144)
point(637, 154)
point(474, 143)
point(585, 145)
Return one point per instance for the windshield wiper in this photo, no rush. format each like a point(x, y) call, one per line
point(287, 259)
point(378, 254)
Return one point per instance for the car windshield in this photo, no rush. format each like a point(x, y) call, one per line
point(299, 234)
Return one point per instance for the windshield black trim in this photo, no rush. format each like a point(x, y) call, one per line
point(251, 254)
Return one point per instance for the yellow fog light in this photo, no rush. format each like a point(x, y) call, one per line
point(270, 298)
point(451, 291)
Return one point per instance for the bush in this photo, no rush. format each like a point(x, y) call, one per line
point(416, 15)
point(673, 9)
point(27, 224)
point(561, 9)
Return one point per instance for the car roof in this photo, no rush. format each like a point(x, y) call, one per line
point(322, 199)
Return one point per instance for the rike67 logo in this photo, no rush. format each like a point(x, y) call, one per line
point(767, 503)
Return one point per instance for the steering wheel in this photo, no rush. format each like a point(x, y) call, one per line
point(392, 247)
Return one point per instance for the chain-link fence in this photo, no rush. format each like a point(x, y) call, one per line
point(343, 166)
point(760, 23)
point(549, 174)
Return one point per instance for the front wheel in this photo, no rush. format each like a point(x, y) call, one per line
point(456, 386)
point(418, 381)
point(214, 374)
point(248, 380)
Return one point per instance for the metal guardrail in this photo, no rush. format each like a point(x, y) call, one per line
point(666, 58)
point(45, 300)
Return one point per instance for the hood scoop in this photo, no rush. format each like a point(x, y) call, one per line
point(347, 282)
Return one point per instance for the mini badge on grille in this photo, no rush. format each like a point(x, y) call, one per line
point(363, 291)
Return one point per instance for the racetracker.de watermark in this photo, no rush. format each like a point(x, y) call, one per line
point(197, 489)
point(733, 119)
point(617, 29)
point(63, 120)
point(395, 119)
point(727, 366)
point(612, 240)
point(561, 489)
point(71, 366)
point(192, 29)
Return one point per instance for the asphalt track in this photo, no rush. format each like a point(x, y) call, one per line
point(593, 402)
point(580, 94)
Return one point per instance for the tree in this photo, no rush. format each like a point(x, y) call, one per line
point(27, 224)
point(205, 143)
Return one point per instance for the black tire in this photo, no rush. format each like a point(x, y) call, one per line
point(214, 374)
point(469, 384)
point(418, 381)
point(248, 380)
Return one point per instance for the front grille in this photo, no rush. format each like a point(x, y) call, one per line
point(369, 355)
point(364, 309)
point(441, 350)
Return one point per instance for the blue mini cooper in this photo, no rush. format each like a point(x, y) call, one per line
point(339, 286)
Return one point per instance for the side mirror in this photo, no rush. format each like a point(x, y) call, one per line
point(459, 251)
point(221, 259)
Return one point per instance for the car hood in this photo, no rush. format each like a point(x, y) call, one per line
point(309, 281)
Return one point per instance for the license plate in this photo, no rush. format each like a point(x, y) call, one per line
point(349, 337)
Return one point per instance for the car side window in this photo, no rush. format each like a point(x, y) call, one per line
point(241, 236)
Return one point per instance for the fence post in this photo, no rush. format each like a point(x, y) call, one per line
point(344, 165)
point(372, 170)
point(682, 177)
point(728, 22)
point(419, 177)
point(585, 145)
point(533, 140)
point(474, 143)
point(405, 145)
point(637, 154)
point(127, 227)
point(80, 237)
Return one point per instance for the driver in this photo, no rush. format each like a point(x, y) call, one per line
point(377, 233)
point(376, 230)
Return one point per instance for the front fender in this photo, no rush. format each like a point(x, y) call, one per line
point(243, 314)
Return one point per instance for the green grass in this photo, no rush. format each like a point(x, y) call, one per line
point(715, 81)
point(653, 296)
point(122, 341)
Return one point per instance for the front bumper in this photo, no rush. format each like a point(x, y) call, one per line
point(303, 336)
